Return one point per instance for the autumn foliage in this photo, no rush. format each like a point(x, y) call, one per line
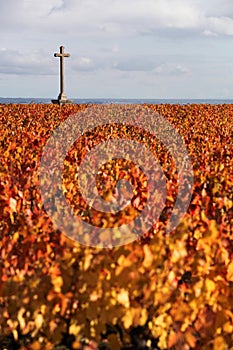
point(163, 291)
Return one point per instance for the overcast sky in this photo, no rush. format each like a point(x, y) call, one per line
point(118, 48)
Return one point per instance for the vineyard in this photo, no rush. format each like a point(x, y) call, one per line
point(162, 291)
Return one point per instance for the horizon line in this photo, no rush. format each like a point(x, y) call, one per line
point(124, 98)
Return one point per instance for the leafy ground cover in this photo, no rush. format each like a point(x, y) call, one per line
point(163, 291)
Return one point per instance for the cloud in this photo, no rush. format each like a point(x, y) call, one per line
point(84, 63)
point(209, 33)
point(221, 25)
point(22, 63)
point(171, 69)
point(116, 17)
point(118, 63)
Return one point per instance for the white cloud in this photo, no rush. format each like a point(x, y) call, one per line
point(22, 63)
point(116, 17)
point(171, 69)
point(84, 64)
point(209, 33)
point(221, 25)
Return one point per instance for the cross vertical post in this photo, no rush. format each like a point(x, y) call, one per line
point(62, 98)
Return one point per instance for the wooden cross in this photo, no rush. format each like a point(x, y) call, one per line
point(62, 54)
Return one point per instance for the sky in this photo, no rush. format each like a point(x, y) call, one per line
point(118, 48)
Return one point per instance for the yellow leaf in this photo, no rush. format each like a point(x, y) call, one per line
point(210, 285)
point(12, 204)
point(163, 339)
point(128, 318)
point(39, 320)
point(179, 252)
point(123, 298)
point(220, 344)
point(230, 272)
point(227, 327)
point(87, 261)
point(213, 231)
point(143, 317)
point(21, 319)
point(221, 167)
point(57, 281)
point(75, 329)
point(148, 256)
point(203, 216)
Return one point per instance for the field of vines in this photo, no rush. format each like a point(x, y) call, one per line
point(162, 291)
